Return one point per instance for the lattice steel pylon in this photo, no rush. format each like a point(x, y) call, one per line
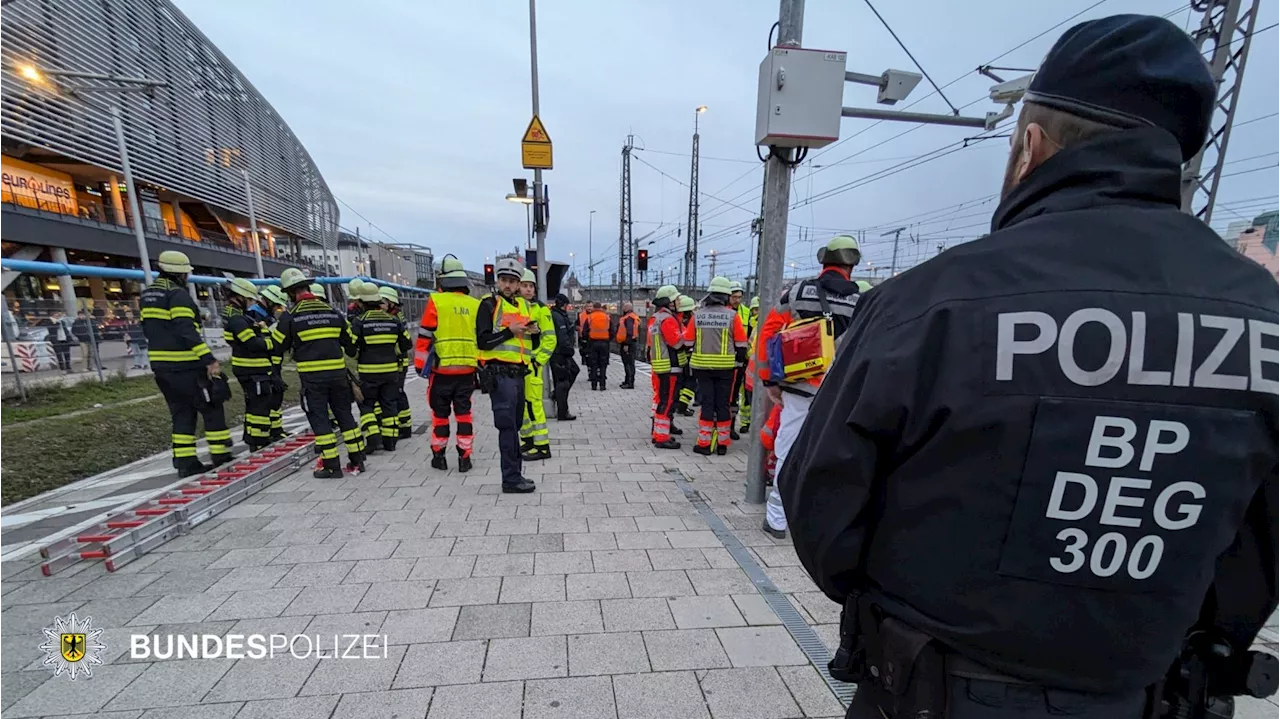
point(1226, 31)
point(626, 243)
point(691, 230)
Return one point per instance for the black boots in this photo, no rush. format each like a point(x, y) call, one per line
point(566, 417)
point(733, 431)
point(721, 450)
point(464, 463)
point(702, 449)
point(524, 486)
point(438, 460)
point(536, 452)
point(328, 469)
point(667, 443)
point(676, 430)
point(373, 443)
point(355, 462)
point(192, 468)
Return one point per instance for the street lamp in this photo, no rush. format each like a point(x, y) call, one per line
point(124, 84)
point(526, 201)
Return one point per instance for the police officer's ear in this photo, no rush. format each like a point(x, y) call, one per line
point(1036, 147)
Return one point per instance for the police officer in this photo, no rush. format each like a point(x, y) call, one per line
point(718, 343)
point(534, 441)
point(183, 365)
point(378, 343)
point(273, 301)
point(504, 327)
point(251, 353)
point(317, 335)
point(626, 336)
point(1046, 456)
point(404, 415)
point(597, 329)
point(564, 371)
point(666, 339)
point(446, 354)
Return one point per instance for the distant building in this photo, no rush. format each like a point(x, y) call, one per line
point(1258, 241)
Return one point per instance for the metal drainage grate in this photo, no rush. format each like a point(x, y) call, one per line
point(795, 624)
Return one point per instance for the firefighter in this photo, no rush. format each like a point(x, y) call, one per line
point(534, 443)
point(685, 306)
point(666, 340)
point(446, 355)
point(378, 343)
point(717, 342)
point(273, 302)
point(504, 329)
point(317, 336)
point(403, 414)
point(252, 351)
point(564, 371)
point(354, 306)
point(597, 328)
point(626, 336)
point(833, 293)
point(183, 366)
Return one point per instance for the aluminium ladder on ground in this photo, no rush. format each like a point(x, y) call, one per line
point(130, 533)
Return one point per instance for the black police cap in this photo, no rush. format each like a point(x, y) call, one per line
point(1129, 71)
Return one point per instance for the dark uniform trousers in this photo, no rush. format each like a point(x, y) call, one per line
point(507, 399)
point(451, 393)
point(627, 351)
point(381, 390)
point(258, 393)
point(599, 367)
point(713, 387)
point(183, 391)
point(319, 398)
point(404, 416)
point(275, 406)
point(969, 698)
point(564, 371)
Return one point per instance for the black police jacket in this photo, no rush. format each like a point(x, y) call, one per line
point(1052, 447)
point(566, 333)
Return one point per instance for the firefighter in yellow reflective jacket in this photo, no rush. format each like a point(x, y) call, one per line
point(447, 356)
point(688, 385)
point(379, 343)
point(183, 365)
point(273, 302)
point(534, 441)
point(719, 344)
point(404, 417)
point(252, 351)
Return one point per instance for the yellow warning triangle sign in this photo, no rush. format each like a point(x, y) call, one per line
point(535, 132)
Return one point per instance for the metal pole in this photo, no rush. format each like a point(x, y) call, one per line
point(132, 189)
point(541, 228)
point(253, 225)
point(9, 321)
point(773, 251)
point(93, 341)
point(66, 285)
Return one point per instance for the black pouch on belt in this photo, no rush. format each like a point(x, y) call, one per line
point(906, 669)
point(485, 378)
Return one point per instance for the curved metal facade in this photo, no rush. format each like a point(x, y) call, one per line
point(194, 136)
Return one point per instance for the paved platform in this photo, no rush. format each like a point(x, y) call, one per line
point(603, 595)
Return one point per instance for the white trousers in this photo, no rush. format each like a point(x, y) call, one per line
point(794, 409)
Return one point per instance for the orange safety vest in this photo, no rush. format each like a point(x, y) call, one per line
point(621, 336)
point(598, 326)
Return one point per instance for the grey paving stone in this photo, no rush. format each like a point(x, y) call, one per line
point(401, 704)
point(622, 615)
point(529, 543)
point(408, 532)
point(572, 617)
point(642, 540)
point(397, 595)
point(705, 612)
point(366, 550)
point(601, 585)
point(339, 676)
point(345, 535)
point(563, 562)
point(685, 649)
point(461, 529)
point(611, 524)
point(327, 625)
point(553, 498)
point(277, 678)
point(456, 592)
point(503, 565)
point(110, 586)
point(609, 653)
point(438, 663)
point(410, 626)
point(526, 658)
point(719, 557)
point(587, 542)
point(315, 535)
point(511, 526)
point(266, 625)
point(720, 581)
point(434, 567)
point(533, 511)
point(492, 621)
point(629, 510)
point(489, 700)
point(572, 511)
point(810, 691)
point(777, 556)
point(246, 558)
point(537, 588)
point(181, 609)
point(693, 539)
point(327, 600)
point(183, 581)
point(16, 685)
point(297, 708)
point(823, 610)
point(171, 684)
point(672, 583)
point(754, 693)
point(621, 560)
point(554, 525)
point(437, 547)
point(341, 514)
point(582, 698)
point(257, 577)
point(491, 513)
point(323, 574)
point(678, 559)
point(380, 570)
point(481, 545)
point(116, 612)
point(255, 603)
point(303, 553)
point(760, 647)
point(790, 579)
point(52, 698)
point(664, 695)
point(659, 524)
point(755, 609)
